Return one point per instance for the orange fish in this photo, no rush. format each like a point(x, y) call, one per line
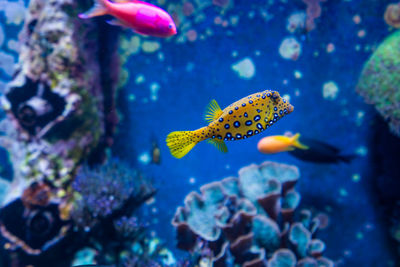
point(143, 18)
point(279, 143)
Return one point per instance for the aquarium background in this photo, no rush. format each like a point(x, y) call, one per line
point(227, 50)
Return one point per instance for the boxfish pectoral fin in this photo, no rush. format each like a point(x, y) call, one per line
point(219, 144)
point(213, 111)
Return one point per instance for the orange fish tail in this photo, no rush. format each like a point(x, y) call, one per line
point(99, 9)
point(296, 142)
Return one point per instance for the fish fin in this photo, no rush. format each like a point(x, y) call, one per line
point(116, 22)
point(219, 144)
point(180, 143)
point(140, 32)
point(347, 158)
point(213, 111)
point(99, 9)
point(269, 117)
point(296, 143)
point(290, 148)
point(139, 2)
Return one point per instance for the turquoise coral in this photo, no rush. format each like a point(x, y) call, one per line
point(380, 80)
point(249, 220)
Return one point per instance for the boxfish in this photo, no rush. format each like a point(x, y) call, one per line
point(247, 117)
point(141, 17)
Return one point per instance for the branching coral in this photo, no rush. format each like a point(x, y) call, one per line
point(379, 80)
point(249, 220)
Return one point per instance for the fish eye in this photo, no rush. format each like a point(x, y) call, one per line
point(170, 26)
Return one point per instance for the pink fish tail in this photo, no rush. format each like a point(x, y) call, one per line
point(99, 9)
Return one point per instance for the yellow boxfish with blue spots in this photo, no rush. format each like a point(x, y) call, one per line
point(240, 120)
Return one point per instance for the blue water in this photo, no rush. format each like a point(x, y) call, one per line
point(193, 73)
point(184, 95)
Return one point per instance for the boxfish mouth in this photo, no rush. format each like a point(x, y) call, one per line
point(290, 108)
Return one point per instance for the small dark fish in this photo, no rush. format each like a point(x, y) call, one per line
point(155, 153)
point(320, 152)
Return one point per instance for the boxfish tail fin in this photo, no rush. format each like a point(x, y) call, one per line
point(99, 9)
point(296, 143)
point(180, 143)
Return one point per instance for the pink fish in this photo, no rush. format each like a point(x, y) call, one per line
point(143, 18)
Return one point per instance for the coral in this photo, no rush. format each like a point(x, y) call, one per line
point(4, 188)
point(32, 226)
point(249, 220)
point(7, 63)
point(313, 12)
point(14, 11)
point(290, 48)
point(244, 68)
point(103, 190)
point(105, 217)
point(59, 112)
point(392, 15)
point(330, 90)
point(103, 211)
point(127, 227)
point(296, 22)
point(379, 79)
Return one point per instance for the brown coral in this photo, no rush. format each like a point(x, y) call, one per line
point(313, 12)
point(392, 15)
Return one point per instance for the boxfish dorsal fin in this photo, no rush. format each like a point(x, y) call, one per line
point(213, 111)
point(219, 144)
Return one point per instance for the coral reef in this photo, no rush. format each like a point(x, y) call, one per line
point(32, 225)
point(103, 190)
point(105, 200)
point(379, 79)
point(58, 113)
point(56, 103)
point(249, 221)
